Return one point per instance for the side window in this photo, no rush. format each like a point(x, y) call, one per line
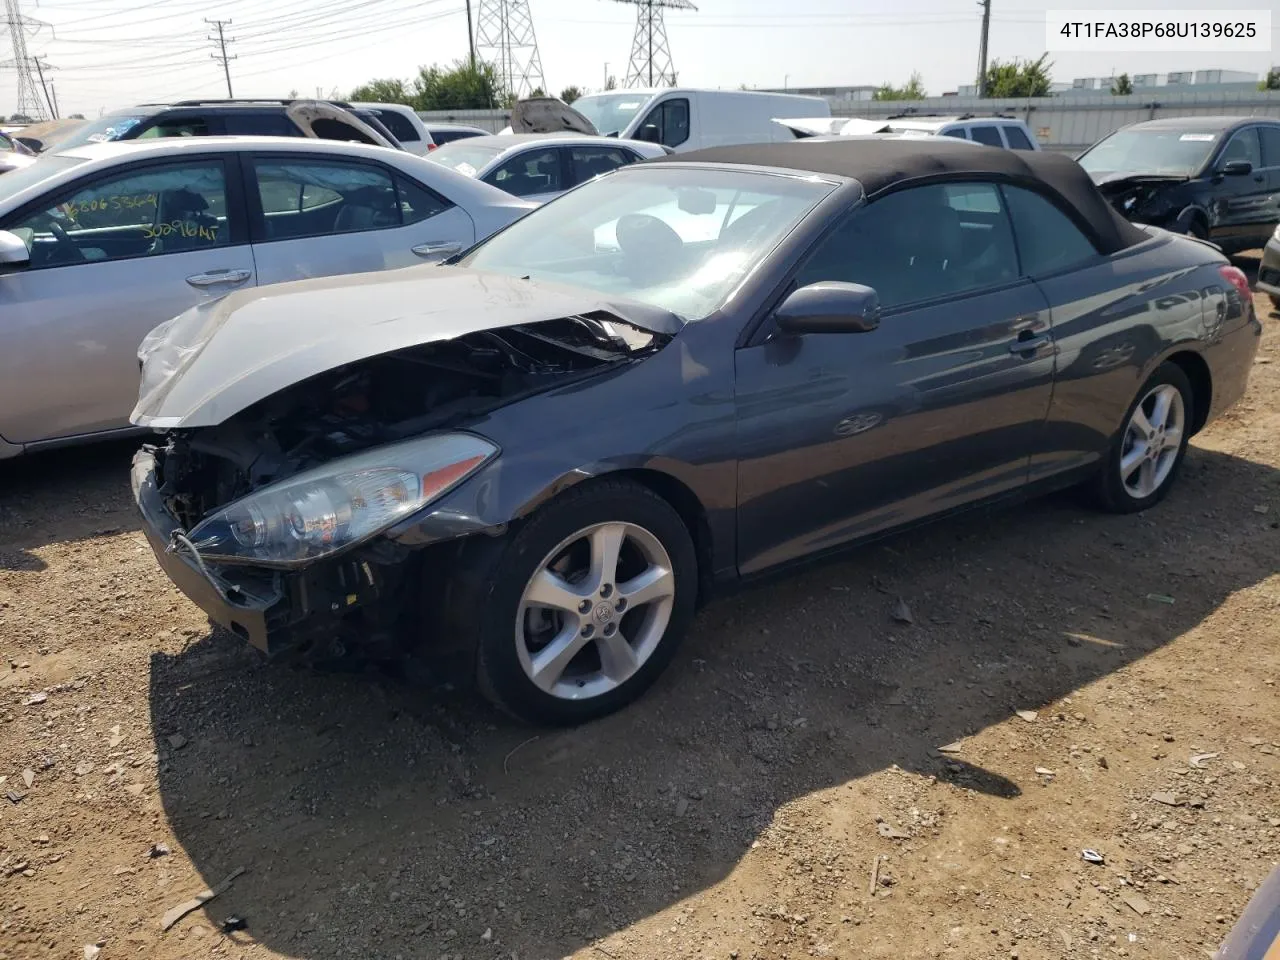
point(261, 125)
point(164, 209)
point(528, 173)
point(6, 145)
point(671, 117)
point(417, 203)
point(1017, 139)
point(919, 244)
point(988, 135)
point(1242, 146)
point(1270, 146)
point(187, 127)
point(957, 132)
point(590, 162)
point(314, 198)
point(1047, 238)
point(400, 126)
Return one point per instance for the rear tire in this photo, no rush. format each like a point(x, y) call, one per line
point(1275, 303)
point(1147, 452)
point(585, 605)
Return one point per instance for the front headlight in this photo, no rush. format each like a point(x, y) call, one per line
point(341, 504)
point(1276, 236)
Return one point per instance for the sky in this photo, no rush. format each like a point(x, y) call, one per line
point(112, 53)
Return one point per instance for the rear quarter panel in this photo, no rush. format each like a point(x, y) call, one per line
point(1116, 321)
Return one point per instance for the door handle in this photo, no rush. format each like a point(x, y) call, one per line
point(1028, 342)
point(443, 249)
point(215, 277)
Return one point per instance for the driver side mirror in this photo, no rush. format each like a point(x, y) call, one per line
point(649, 133)
point(829, 307)
point(13, 251)
point(1237, 168)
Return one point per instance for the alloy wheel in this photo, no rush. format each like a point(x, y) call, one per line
point(594, 611)
point(1152, 440)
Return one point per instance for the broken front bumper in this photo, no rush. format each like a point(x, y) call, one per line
point(272, 610)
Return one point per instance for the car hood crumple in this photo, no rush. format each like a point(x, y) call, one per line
point(216, 359)
point(1112, 182)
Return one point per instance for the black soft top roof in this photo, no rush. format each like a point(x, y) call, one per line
point(881, 165)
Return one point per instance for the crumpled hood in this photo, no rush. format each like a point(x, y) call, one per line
point(833, 126)
point(548, 115)
point(1115, 182)
point(216, 359)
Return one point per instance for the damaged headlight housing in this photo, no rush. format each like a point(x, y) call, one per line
point(333, 507)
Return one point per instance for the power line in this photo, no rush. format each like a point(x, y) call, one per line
point(222, 48)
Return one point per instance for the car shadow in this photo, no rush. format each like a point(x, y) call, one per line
point(378, 818)
point(89, 485)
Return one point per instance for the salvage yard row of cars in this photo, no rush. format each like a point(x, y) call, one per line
point(570, 422)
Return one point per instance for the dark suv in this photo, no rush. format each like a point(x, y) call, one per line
point(1217, 178)
point(322, 119)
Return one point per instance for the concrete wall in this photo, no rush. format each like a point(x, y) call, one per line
point(1071, 124)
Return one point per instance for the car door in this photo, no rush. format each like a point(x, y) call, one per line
point(668, 123)
point(314, 215)
point(1243, 201)
point(589, 161)
point(112, 257)
point(842, 436)
point(537, 174)
point(1269, 134)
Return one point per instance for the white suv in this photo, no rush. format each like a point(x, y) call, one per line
point(404, 124)
point(1005, 132)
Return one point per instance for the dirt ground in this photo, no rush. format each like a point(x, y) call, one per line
point(779, 794)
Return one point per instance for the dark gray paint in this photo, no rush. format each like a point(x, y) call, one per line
point(793, 445)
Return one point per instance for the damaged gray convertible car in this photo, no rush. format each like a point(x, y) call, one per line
point(682, 374)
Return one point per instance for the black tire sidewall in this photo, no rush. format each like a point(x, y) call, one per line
point(500, 674)
point(1114, 494)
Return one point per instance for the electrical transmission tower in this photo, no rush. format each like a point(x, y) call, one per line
point(30, 102)
point(650, 53)
point(505, 38)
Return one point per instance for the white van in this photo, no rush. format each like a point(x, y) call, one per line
point(685, 119)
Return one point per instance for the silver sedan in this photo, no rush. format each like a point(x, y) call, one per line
point(541, 166)
point(101, 243)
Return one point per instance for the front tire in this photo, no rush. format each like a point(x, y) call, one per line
point(586, 604)
point(1147, 452)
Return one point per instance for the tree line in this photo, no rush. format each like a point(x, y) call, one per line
point(459, 87)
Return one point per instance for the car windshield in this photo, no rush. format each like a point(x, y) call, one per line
point(1159, 152)
point(464, 156)
point(49, 165)
point(610, 112)
point(98, 131)
point(680, 239)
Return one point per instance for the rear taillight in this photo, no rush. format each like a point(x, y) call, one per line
point(1235, 276)
point(431, 146)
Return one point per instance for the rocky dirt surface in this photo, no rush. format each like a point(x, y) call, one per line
point(812, 778)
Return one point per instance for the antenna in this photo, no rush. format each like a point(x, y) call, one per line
point(30, 102)
point(505, 38)
point(650, 53)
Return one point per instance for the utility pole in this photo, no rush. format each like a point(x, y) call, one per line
point(471, 38)
point(20, 27)
point(982, 47)
point(222, 50)
point(44, 86)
